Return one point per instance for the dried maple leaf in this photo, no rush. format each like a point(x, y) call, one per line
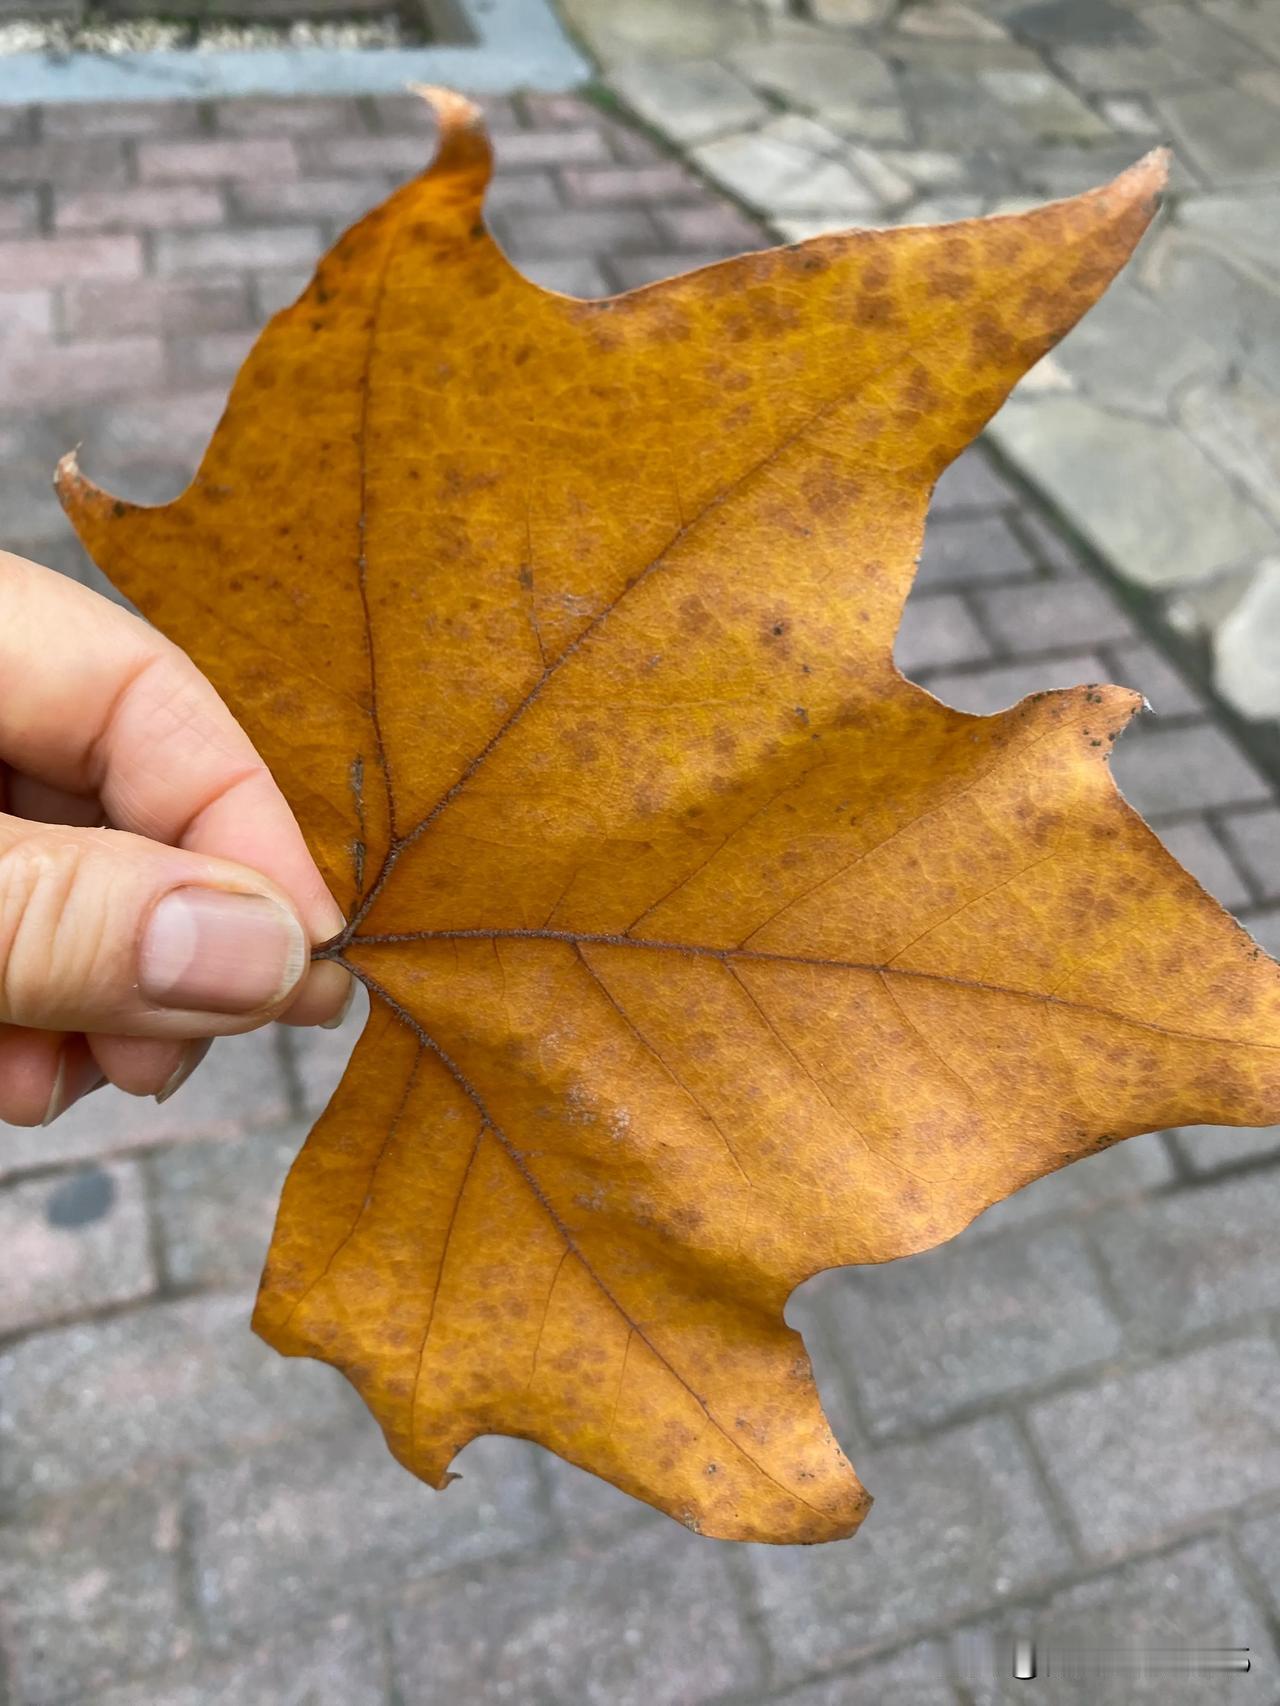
point(705, 951)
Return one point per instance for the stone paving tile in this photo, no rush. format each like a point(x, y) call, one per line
point(1141, 1455)
point(580, 1627)
point(75, 1242)
point(1169, 769)
point(1207, 1148)
point(1125, 1172)
point(936, 631)
point(917, 1676)
point(1259, 1540)
point(984, 691)
point(90, 1591)
point(102, 1400)
point(1254, 838)
point(334, 1519)
point(1192, 1597)
point(958, 1523)
point(215, 1204)
point(1194, 1259)
point(341, 1663)
point(972, 1321)
point(1194, 845)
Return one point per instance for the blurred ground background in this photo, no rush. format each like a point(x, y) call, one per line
point(1068, 1416)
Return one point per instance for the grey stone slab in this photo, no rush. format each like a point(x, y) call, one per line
point(73, 1242)
point(1206, 1148)
point(793, 165)
point(936, 631)
point(1139, 1456)
point(1246, 647)
point(984, 691)
point(1044, 614)
point(338, 1663)
point(1183, 769)
point(955, 1327)
point(1123, 68)
point(1145, 496)
point(1122, 1173)
point(1065, 23)
point(90, 1592)
point(1228, 134)
point(651, 1620)
point(1127, 355)
point(1195, 1258)
point(1045, 107)
point(958, 1524)
point(1254, 838)
point(1193, 1597)
point(240, 1086)
point(689, 100)
point(1246, 224)
point(571, 275)
point(1238, 425)
point(969, 483)
point(1264, 927)
point(1195, 847)
point(833, 78)
point(916, 1676)
point(1210, 296)
point(215, 1205)
point(1199, 40)
point(658, 30)
point(1259, 1540)
point(171, 1382)
point(333, 1521)
point(972, 549)
point(1255, 23)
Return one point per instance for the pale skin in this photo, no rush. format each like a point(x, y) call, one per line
point(129, 796)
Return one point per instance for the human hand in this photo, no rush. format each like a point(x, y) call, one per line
point(123, 949)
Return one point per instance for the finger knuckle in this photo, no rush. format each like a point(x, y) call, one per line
point(49, 937)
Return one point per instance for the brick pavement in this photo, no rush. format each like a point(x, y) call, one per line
point(1070, 1408)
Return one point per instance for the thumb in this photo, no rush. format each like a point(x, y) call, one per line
point(108, 932)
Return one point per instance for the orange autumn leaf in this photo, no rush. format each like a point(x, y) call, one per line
point(705, 951)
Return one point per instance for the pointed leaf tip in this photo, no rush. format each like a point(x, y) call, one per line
point(462, 147)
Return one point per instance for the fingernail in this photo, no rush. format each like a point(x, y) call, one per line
point(213, 951)
point(192, 1055)
point(71, 1083)
point(340, 1015)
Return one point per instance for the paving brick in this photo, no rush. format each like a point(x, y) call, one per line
point(712, 226)
point(1194, 845)
point(572, 275)
point(90, 1593)
point(986, 690)
point(916, 1676)
point(25, 313)
point(574, 233)
point(1122, 1173)
point(72, 1243)
point(530, 189)
point(273, 291)
point(971, 1491)
point(174, 428)
point(1196, 1258)
point(398, 156)
point(263, 246)
point(629, 272)
point(1054, 613)
point(48, 375)
point(309, 198)
point(1183, 769)
point(937, 631)
point(1193, 1597)
point(1144, 1453)
point(955, 1327)
point(92, 1403)
point(521, 150)
point(215, 1205)
point(1254, 838)
point(1207, 1148)
point(209, 160)
point(609, 186)
point(294, 116)
point(972, 549)
point(152, 208)
point(19, 212)
point(339, 1663)
point(1137, 664)
point(95, 120)
point(25, 264)
point(69, 164)
point(286, 1532)
point(1264, 927)
point(410, 112)
point(971, 482)
point(239, 1088)
point(576, 1628)
point(101, 308)
point(211, 356)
